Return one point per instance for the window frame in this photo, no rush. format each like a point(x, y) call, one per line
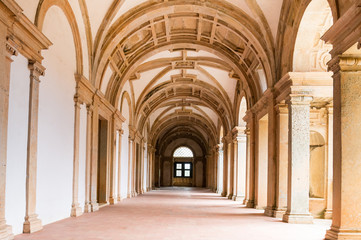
point(183, 169)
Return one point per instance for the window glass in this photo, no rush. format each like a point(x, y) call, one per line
point(179, 173)
point(187, 166)
point(179, 166)
point(183, 152)
point(187, 173)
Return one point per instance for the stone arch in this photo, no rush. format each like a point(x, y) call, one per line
point(241, 110)
point(44, 6)
point(291, 16)
point(125, 96)
point(310, 52)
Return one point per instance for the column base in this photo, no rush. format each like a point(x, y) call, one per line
point(298, 218)
point(339, 234)
point(224, 194)
point(76, 211)
point(95, 207)
point(32, 224)
point(129, 195)
point(328, 214)
point(249, 203)
point(6, 232)
point(269, 211)
point(87, 208)
point(238, 198)
point(229, 196)
point(259, 207)
point(112, 201)
point(278, 213)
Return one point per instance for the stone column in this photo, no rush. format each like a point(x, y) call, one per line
point(281, 160)
point(6, 52)
point(240, 156)
point(130, 166)
point(346, 210)
point(220, 169)
point(32, 223)
point(87, 205)
point(298, 158)
point(328, 211)
point(120, 134)
point(75, 208)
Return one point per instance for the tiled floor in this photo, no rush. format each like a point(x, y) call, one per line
point(178, 213)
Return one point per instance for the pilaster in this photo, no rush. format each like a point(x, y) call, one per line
point(75, 208)
point(94, 156)
point(329, 190)
point(32, 223)
point(6, 52)
point(130, 166)
point(298, 158)
point(225, 167)
point(87, 204)
point(113, 161)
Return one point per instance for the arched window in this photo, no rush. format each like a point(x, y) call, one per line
point(183, 152)
point(183, 168)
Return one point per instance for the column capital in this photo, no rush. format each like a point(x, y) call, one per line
point(89, 108)
point(36, 70)
point(303, 97)
point(239, 133)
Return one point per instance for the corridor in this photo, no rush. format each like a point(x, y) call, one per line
point(177, 213)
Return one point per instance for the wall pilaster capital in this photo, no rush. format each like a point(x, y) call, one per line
point(281, 108)
point(89, 108)
point(345, 63)
point(36, 70)
point(10, 50)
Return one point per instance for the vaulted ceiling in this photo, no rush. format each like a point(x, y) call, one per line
point(183, 66)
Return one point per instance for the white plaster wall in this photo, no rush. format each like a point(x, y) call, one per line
point(29, 7)
point(116, 164)
point(82, 155)
point(56, 121)
point(17, 144)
